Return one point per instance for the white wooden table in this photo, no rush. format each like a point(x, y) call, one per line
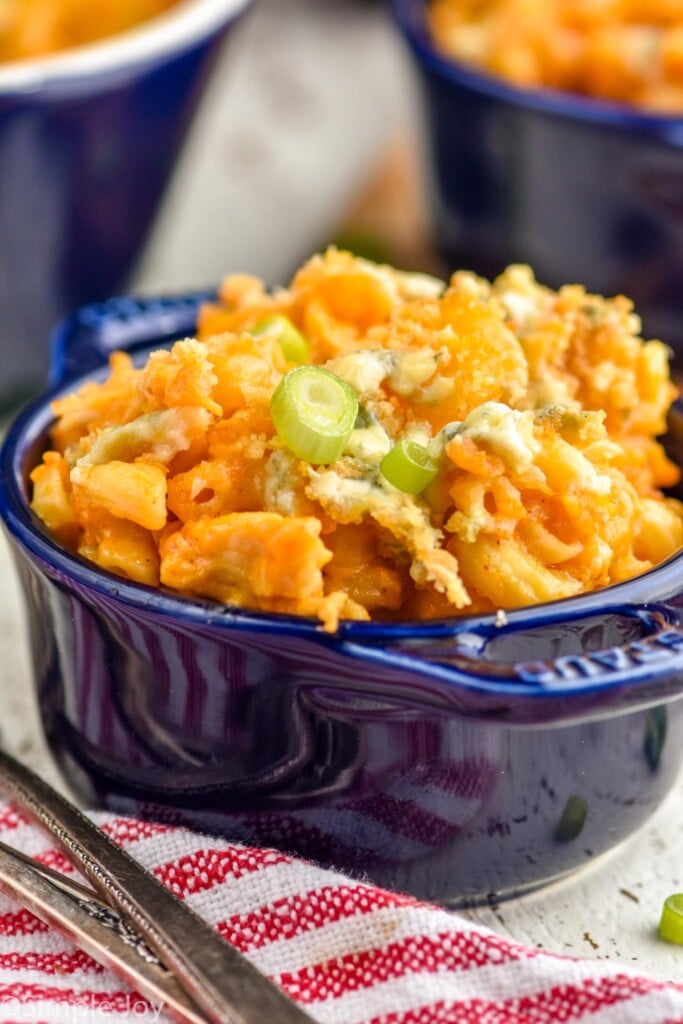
point(298, 112)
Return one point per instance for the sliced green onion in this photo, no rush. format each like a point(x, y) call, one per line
point(294, 346)
point(314, 412)
point(409, 466)
point(573, 819)
point(671, 922)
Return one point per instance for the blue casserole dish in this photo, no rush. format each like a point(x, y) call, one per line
point(459, 760)
point(89, 138)
point(580, 188)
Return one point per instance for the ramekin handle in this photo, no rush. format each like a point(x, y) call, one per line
point(467, 657)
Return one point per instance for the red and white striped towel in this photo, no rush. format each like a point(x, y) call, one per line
point(349, 952)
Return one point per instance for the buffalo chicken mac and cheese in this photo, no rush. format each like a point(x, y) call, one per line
point(37, 28)
point(369, 443)
point(625, 51)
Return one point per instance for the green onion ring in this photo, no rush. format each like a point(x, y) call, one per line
point(294, 346)
point(314, 412)
point(671, 923)
point(409, 467)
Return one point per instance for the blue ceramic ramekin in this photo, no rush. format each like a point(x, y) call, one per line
point(88, 141)
point(582, 190)
point(460, 759)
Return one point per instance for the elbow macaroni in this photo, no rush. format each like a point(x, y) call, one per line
point(542, 410)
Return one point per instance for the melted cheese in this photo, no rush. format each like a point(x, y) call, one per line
point(504, 431)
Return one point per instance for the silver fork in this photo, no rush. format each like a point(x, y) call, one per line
point(130, 922)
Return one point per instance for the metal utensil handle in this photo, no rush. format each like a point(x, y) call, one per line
point(93, 926)
point(222, 982)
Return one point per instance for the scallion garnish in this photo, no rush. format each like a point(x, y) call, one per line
point(314, 412)
point(292, 342)
point(671, 922)
point(409, 466)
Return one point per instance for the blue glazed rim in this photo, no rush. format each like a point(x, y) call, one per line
point(80, 347)
point(409, 15)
